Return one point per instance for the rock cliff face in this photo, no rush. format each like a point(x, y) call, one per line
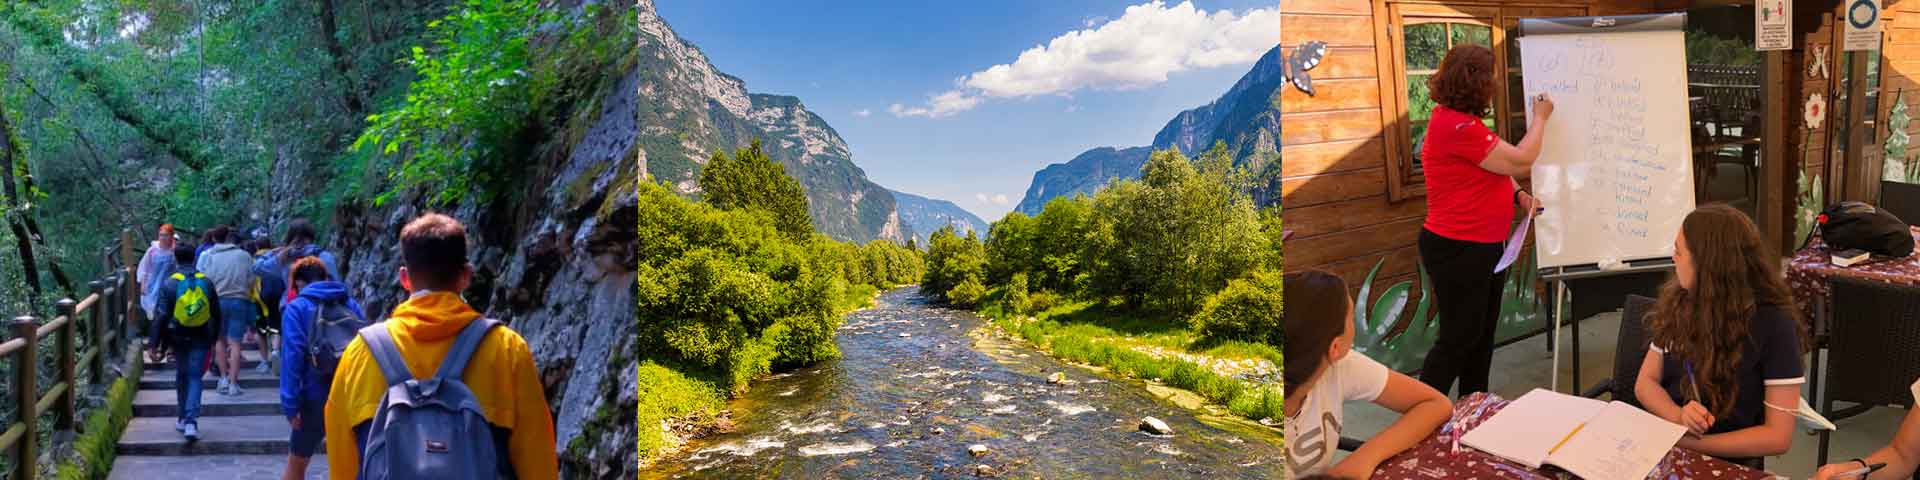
point(554, 260)
point(1246, 118)
point(1084, 174)
point(926, 215)
point(689, 110)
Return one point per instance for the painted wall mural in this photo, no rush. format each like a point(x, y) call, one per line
point(1385, 332)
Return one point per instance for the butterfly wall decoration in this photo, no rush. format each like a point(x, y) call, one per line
point(1294, 69)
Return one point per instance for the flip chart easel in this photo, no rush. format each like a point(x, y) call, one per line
point(1615, 170)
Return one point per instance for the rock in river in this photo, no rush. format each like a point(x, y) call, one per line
point(1155, 426)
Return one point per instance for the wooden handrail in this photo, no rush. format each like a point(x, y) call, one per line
point(100, 312)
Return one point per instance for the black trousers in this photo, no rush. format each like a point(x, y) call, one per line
point(1467, 298)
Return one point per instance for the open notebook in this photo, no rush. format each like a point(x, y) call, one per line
point(1590, 438)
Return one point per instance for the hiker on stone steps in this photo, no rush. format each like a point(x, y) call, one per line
point(271, 265)
point(228, 266)
point(155, 266)
point(500, 375)
point(187, 323)
point(315, 328)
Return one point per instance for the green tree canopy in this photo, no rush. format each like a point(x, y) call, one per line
point(750, 180)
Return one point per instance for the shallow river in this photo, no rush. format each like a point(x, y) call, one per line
point(913, 390)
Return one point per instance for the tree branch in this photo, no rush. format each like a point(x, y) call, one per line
point(169, 132)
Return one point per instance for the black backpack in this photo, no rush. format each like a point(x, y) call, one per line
point(334, 327)
point(1851, 225)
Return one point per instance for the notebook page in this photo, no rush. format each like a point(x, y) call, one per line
point(1621, 443)
point(1527, 428)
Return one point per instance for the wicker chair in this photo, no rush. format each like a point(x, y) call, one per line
point(1629, 352)
point(1873, 348)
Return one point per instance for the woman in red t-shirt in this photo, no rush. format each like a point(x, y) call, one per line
point(1471, 200)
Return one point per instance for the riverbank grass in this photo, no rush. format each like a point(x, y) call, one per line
point(1095, 334)
point(669, 398)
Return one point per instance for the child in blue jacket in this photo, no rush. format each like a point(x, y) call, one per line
point(303, 385)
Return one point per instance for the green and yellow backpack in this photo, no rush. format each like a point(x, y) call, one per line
point(191, 305)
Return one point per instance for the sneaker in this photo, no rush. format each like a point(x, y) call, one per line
point(192, 432)
point(235, 389)
point(263, 368)
point(224, 384)
point(180, 425)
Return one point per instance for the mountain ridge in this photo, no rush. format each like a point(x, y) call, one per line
point(1245, 118)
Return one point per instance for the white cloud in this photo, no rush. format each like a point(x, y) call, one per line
point(862, 112)
point(941, 105)
point(995, 199)
point(1138, 50)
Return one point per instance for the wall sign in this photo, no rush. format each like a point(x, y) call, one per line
point(1773, 25)
point(1305, 57)
point(1863, 25)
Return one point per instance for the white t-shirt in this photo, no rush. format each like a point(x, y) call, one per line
point(1314, 433)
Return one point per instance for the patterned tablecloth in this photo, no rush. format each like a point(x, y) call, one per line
point(1808, 271)
point(1433, 457)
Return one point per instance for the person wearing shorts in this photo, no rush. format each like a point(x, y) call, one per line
point(229, 267)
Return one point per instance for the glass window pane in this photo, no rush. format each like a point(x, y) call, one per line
point(1464, 33)
point(1419, 108)
point(1425, 44)
point(1419, 101)
point(1513, 48)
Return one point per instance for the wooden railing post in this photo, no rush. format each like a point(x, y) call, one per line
point(25, 369)
point(129, 293)
point(97, 323)
point(64, 347)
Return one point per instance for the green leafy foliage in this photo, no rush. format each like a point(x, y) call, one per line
point(750, 180)
point(473, 93)
point(967, 293)
point(951, 261)
point(665, 395)
point(1247, 310)
point(727, 293)
point(1013, 297)
point(1180, 233)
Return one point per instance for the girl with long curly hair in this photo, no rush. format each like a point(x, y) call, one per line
point(1726, 342)
point(1472, 198)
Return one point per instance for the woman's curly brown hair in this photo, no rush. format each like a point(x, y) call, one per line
point(1734, 275)
point(1464, 81)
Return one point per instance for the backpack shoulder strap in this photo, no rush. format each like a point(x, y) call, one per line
point(455, 362)
point(178, 277)
point(386, 354)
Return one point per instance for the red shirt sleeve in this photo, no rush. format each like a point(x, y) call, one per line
point(1475, 141)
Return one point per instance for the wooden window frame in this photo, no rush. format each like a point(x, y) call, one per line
point(1402, 182)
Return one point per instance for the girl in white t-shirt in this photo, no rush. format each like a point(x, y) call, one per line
point(1321, 376)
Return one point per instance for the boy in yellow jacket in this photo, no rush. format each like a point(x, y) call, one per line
point(502, 375)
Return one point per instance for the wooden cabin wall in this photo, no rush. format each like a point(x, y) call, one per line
point(1333, 173)
point(1899, 67)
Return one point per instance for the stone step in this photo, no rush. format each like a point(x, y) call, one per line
point(249, 378)
point(252, 401)
point(248, 358)
point(218, 436)
point(202, 467)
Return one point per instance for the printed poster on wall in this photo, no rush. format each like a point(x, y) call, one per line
point(1773, 25)
point(1863, 25)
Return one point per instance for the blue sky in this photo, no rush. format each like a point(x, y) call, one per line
point(873, 68)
